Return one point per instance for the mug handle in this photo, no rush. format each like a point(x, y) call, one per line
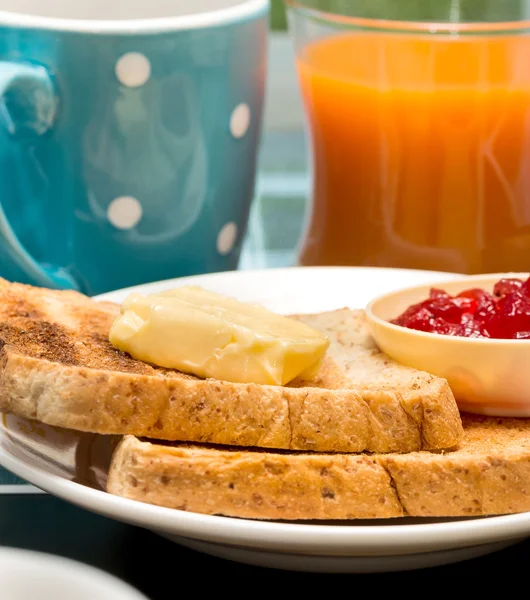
point(29, 99)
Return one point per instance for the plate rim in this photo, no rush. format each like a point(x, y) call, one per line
point(341, 539)
point(245, 273)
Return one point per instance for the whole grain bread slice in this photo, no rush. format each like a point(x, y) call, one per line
point(488, 474)
point(57, 366)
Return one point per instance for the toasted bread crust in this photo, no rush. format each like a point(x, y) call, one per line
point(57, 366)
point(487, 475)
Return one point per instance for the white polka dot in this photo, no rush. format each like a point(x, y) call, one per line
point(124, 212)
point(133, 69)
point(227, 238)
point(240, 120)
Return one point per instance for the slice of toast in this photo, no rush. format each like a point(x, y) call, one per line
point(57, 366)
point(487, 475)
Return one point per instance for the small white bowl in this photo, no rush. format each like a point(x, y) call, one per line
point(487, 376)
point(25, 575)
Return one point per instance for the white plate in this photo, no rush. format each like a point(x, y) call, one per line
point(71, 465)
point(39, 576)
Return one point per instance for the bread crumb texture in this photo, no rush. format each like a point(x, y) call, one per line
point(489, 474)
point(57, 366)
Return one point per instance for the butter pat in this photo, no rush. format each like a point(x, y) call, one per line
point(210, 335)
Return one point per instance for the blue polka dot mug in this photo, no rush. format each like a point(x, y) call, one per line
point(129, 134)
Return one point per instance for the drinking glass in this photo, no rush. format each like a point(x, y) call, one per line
point(418, 117)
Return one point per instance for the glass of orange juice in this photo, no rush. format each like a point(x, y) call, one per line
point(418, 115)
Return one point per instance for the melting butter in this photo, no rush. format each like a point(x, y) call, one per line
point(210, 335)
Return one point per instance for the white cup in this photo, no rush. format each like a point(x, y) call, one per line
point(29, 575)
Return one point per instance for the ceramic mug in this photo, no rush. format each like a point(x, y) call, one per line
point(129, 134)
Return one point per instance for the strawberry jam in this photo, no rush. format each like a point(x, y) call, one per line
point(503, 314)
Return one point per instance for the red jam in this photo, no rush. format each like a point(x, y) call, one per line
point(504, 314)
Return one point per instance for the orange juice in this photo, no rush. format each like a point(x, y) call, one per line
point(421, 151)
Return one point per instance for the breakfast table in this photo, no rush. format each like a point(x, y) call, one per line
point(32, 519)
